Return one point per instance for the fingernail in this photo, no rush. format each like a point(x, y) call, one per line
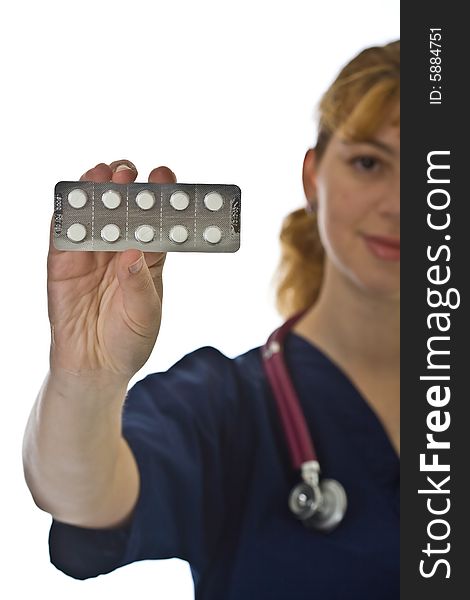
point(135, 267)
point(122, 165)
point(122, 168)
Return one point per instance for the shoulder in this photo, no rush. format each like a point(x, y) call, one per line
point(203, 382)
point(207, 366)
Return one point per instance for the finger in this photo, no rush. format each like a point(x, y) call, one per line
point(123, 171)
point(153, 260)
point(162, 175)
point(99, 174)
point(139, 292)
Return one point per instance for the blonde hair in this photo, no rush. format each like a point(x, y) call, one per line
point(357, 102)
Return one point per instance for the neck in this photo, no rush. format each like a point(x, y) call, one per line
point(353, 326)
point(361, 333)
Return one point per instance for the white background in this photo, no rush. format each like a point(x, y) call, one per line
point(221, 92)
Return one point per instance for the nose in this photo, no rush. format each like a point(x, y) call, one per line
point(391, 207)
point(390, 202)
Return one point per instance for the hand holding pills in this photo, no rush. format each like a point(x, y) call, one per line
point(105, 306)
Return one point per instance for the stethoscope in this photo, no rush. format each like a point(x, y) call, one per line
point(318, 504)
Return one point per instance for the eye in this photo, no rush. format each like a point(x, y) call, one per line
point(365, 163)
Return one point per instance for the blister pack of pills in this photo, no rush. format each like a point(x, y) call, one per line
point(153, 217)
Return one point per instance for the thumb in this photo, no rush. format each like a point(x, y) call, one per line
point(140, 298)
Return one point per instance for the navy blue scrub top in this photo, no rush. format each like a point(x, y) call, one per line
point(215, 479)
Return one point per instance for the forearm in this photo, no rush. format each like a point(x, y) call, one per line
point(77, 466)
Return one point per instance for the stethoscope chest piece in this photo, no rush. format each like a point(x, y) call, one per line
point(321, 506)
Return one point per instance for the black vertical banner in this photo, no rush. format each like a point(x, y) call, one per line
point(435, 399)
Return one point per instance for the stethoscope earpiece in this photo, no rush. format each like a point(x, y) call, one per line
point(320, 507)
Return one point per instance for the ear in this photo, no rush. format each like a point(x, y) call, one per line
point(309, 177)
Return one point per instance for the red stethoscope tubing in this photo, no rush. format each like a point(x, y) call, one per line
point(299, 441)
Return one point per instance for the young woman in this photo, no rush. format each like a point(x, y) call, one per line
point(193, 462)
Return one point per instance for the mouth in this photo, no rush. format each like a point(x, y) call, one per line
point(385, 248)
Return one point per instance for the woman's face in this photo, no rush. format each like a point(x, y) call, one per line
point(357, 190)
